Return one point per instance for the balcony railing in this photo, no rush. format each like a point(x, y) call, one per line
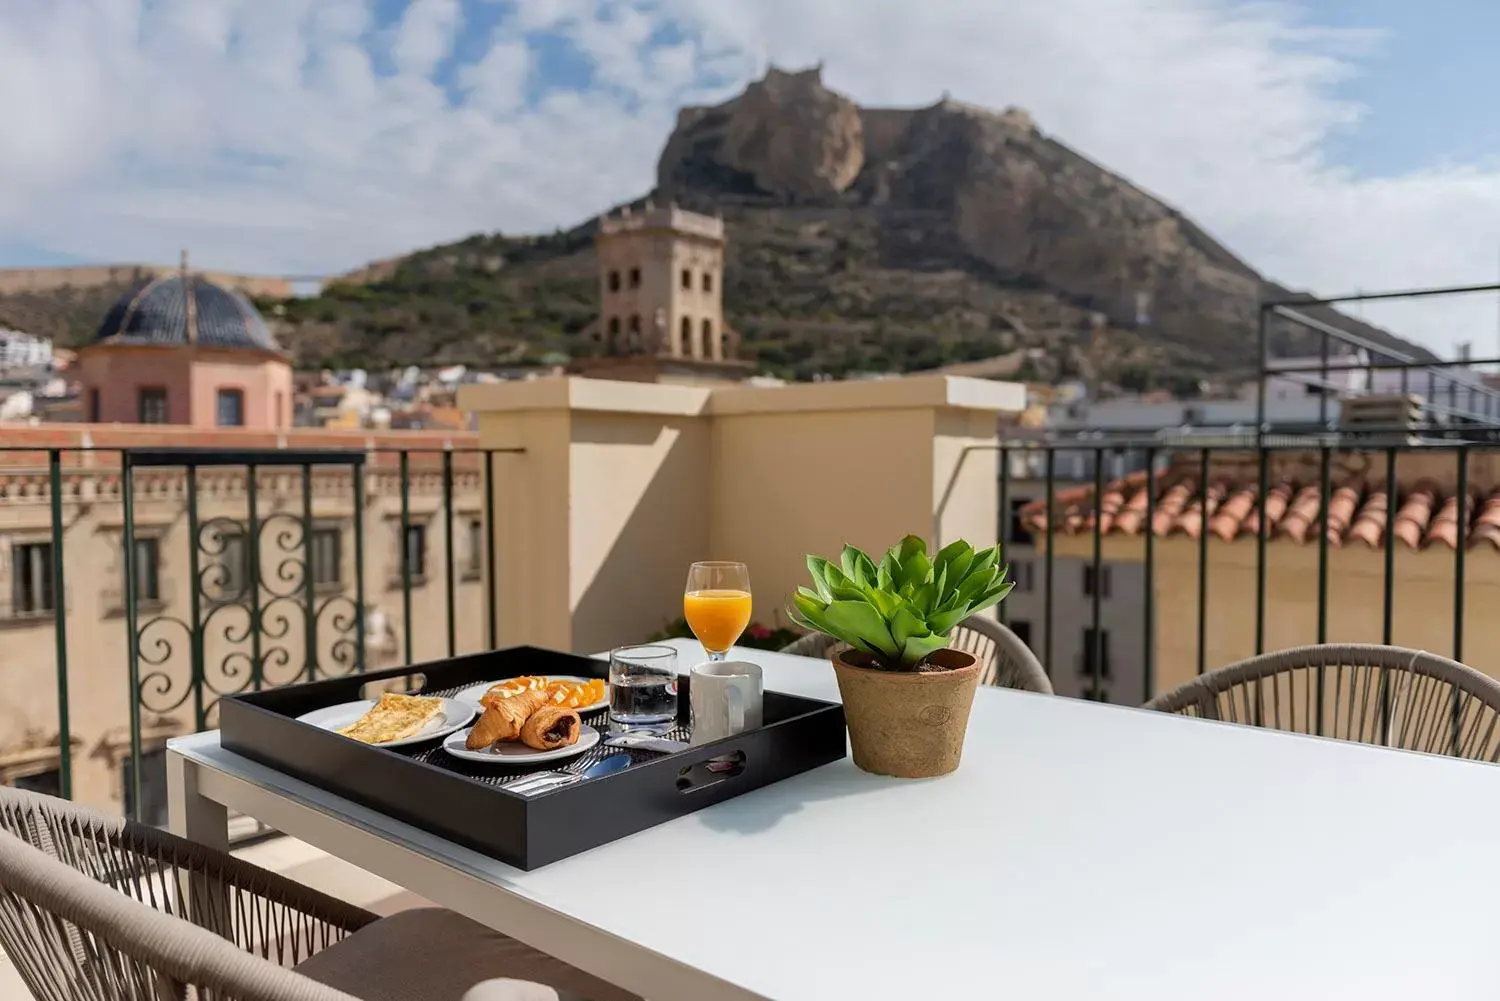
point(1163, 562)
point(275, 567)
point(187, 575)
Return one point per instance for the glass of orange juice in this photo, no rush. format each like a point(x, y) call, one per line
point(716, 604)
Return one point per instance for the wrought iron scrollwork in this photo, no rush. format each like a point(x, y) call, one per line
point(258, 623)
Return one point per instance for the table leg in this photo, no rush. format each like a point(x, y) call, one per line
point(190, 814)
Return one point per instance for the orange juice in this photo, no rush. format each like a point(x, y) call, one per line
point(717, 617)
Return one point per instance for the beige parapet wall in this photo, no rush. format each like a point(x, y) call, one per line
point(622, 485)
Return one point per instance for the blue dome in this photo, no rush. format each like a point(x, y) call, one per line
point(157, 312)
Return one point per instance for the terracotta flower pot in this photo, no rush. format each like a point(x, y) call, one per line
point(908, 724)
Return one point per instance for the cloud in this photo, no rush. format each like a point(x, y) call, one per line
point(308, 136)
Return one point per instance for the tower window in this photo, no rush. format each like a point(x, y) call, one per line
point(708, 281)
point(634, 341)
point(614, 281)
point(687, 335)
point(687, 279)
point(614, 328)
point(635, 277)
point(94, 404)
point(708, 338)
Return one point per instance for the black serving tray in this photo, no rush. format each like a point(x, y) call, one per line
point(464, 801)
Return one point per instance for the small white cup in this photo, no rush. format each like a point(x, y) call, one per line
point(727, 697)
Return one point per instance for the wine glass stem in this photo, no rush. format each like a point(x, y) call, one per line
point(720, 655)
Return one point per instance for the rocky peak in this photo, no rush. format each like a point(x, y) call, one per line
point(786, 134)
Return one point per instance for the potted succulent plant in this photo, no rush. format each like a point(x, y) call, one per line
point(906, 694)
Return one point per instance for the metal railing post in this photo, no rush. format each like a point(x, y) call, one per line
point(60, 624)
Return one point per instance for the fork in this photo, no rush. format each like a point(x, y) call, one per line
point(576, 771)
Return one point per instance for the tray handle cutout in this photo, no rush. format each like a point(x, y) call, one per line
point(709, 773)
point(405, 683)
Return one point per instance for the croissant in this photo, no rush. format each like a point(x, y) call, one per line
point(551, 727)
point(503, 718)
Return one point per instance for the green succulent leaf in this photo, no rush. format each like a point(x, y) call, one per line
point(886, 603)
point(976, 585)
point(816, 565)
point(953, 561)
point(984, 559)
point(992, 597)
point(860, 619)
point(857, 566)
point(942, 623)
point(919, 648)
point(912, 557)
point(905, 624)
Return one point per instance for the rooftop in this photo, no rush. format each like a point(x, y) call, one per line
point(182, 309)
point(1359, 506)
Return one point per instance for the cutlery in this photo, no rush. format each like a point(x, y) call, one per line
point(543, 781)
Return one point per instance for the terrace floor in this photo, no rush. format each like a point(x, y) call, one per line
point(295, 860)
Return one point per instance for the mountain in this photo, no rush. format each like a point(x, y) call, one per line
point(859, 239)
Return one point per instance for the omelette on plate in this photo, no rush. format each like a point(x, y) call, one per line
point(394, 717)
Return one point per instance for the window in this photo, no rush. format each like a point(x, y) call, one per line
point(708, 338)
point(276, 418)
point(474, 564)
point(32, 592)
point(1022, 629)
point(614, 328)
point(708, 281)
point(635, 277)
point(687, 279)
point(1090, 651)
point(327, 556)
point(687, 336)
point(614, 281)
point(94, 405)
point(1105, 580)
point(151, 405)
point(153, 804)
point(231, 408)
point(416, 551)
point(634, 340)
point(48, 783)
point(233, 577)
point(147, 570)
point(1021, 572)
point(1016, 532)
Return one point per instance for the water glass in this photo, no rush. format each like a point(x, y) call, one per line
point(643, 688)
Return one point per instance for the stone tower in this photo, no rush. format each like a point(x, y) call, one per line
point(661, 284)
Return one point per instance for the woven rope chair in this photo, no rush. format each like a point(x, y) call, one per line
point(1388, 696)
point(95, 908)
point(1005, 661)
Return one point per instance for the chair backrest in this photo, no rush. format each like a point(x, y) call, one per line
point(1005, 661)
point(1383, 695)
point(93, 908)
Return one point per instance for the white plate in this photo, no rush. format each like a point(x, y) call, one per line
point(476, 692)
point(513, 752)
point(455, 714)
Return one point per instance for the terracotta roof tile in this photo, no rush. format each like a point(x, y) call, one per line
point(1357, 512)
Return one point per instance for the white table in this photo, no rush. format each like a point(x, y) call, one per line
point(1081, 851)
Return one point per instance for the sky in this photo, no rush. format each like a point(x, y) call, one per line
point(1336, 145)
